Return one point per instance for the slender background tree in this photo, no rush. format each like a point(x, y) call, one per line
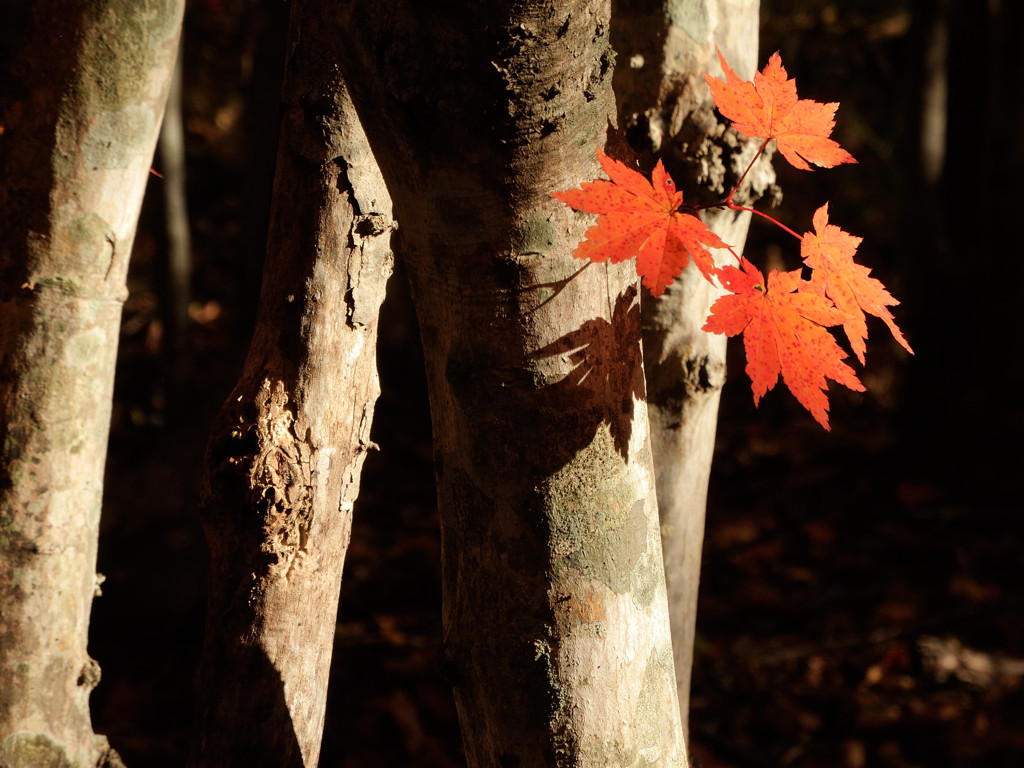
point(665, 108)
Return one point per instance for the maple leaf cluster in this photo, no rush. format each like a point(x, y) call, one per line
point(785, 319)
point(638, 218)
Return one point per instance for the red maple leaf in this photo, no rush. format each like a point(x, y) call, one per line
point(638, 218)
point(828, 251)
point(769, 109)
point(784, 331)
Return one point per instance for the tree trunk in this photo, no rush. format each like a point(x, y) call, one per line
point(80, 119)
point(665, 47)
point(555, 612)
point(287, 448)
point(176, 251)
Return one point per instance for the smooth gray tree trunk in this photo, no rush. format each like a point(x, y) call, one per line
point(555, 612)
point(81, 113)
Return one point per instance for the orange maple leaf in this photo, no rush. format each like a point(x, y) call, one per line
point(639, 218)
point(828, 251)
point(784, 331)
point(769, 109)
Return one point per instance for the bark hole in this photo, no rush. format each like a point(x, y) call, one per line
point(89, 677)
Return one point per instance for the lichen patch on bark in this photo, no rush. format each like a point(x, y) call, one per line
point(33, 749)
point(600, 532)
point(536, 234)
point(656, 692)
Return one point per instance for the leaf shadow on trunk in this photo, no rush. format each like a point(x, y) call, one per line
point(602, 375)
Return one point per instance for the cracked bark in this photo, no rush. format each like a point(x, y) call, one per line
point(666, 111)
point(81, 112)
point(287, 448)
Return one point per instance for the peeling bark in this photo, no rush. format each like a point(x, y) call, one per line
point(81, 116)
point(287, 448)
point(666, 109)
point(555, 611)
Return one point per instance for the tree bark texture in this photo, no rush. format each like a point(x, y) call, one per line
point(81, 114)
point(287, 448)
point(555, 611)
point(665, 107)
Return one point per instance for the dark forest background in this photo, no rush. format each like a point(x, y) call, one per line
point(862, 589)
